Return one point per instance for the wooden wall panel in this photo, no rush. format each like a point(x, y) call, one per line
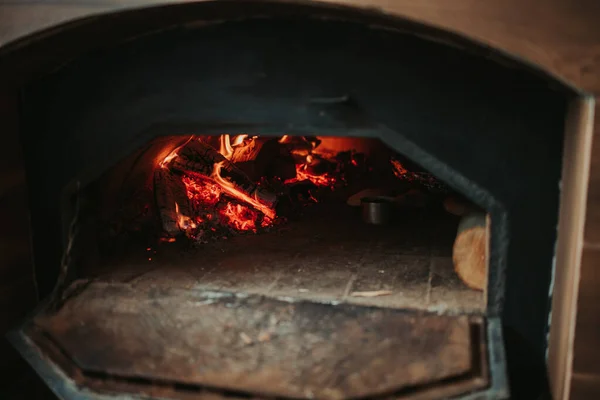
point(585, 360)
point(586, 349)
point(592, 224)
point(586, 352)
point(575, 172)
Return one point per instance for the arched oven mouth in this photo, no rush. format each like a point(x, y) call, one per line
point(327, 219)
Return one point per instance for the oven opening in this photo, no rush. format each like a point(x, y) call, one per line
point(327, 219)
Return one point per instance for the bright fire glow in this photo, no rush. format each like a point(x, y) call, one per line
point(239, 217)
point(241, 212)
point(202, 190)
point(399, 169)
point(218, 201)
point(238, 140)
point(227, 144)
point(165, 161)
point(225, 147)
point(231, 190)
point(302, 174)
point(319, 180)
point(206, 193)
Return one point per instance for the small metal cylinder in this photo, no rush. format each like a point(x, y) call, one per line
point(376, 210)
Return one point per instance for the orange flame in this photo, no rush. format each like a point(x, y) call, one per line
point(399, 169)
point(205, 192)
point(225, 147)
point(238, 140)
point(184, 222)
point(165, 161)
point(230, 189)
point(302, 174)
point(227, 144)
point(318, 180)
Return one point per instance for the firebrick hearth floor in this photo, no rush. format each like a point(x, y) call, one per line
point(329, 255)
point(173, 343)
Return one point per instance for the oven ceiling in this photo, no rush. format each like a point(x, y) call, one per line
point(504, 25)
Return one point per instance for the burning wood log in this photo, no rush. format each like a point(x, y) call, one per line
point(275, 160)
point(199, 152)
point(201, 158)
point(471, 248)
point(249, 151)
point(184, 165)
point(171, 200)
point(265, 158)
point(200, 192)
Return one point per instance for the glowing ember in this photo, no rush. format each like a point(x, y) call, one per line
point(226, 199)
point(215, 199)
point(302, 174)
point(319, 180)
point(399, 169)
point(206, 193)
point(239, 217)
point(201, 189)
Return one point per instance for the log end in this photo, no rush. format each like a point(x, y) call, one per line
point(470, 256)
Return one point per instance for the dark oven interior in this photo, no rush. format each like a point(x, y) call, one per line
point(297, 174)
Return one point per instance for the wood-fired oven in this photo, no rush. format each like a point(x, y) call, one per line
point(281, 201)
